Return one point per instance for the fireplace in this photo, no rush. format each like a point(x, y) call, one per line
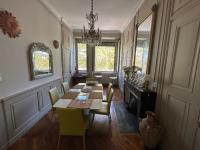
point(139, 100)
point(133, 103)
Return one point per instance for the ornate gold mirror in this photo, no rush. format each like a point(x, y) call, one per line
point(41, 61)
point(144, 41)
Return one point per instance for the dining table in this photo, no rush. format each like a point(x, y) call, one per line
point(82, 96)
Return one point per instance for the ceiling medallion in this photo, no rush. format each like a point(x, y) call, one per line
point(9, 24)
point(91, 36)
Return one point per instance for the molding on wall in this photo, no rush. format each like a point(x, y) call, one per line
point(34, 102)
point(139, 4)
point(58, 15)
point(25, 90)
point(29, 126)
point(50, 8)
point(184, 8)
point(163, 55)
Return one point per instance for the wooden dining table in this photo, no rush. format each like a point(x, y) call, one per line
point(82, 96)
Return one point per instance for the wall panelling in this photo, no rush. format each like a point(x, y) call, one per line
point(180, 104)
point(24, 109)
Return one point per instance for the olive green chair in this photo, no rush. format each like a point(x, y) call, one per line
point(105, 109)
point(105, 97)
point(54, 95)
point(72, 122)
point(65, 86)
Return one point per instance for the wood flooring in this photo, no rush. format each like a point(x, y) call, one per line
point(101, 136)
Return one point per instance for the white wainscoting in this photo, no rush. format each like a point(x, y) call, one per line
point(3, 134)
point(18, 113)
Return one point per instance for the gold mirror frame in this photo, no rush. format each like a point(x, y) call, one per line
point(40, 47)
point(153, 12)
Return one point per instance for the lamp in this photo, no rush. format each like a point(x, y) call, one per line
point(91, 36)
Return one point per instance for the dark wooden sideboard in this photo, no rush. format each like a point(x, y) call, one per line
point(79, 78)
point(139, 100)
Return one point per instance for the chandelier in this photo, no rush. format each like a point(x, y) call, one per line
point(91, 36)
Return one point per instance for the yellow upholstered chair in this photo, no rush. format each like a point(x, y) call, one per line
point(105, 109)
point(72, 122)
point(105, 97)
point(65, 86)
point(54, 95)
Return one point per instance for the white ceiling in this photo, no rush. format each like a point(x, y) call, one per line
point(113, 14)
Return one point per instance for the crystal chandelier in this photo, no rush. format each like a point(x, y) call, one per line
point(91, 36)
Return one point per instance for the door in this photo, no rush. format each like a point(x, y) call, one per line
point(181, 95)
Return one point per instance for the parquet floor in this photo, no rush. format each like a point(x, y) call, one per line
point(101, 136)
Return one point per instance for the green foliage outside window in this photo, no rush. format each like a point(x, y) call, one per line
point(82, 56)
point(41, 61)
point(104, 58)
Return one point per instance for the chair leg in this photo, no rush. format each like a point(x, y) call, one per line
point(58, 145)
point(49, 115)
point(93, 115)
point(109, 116)
point(90, 119)
point(84, 146)
point(52, 116)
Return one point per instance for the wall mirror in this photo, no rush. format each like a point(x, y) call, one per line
point(41, 61)
point(144, 41)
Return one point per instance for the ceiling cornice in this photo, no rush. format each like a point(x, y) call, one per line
point(52, 10)
point(139, 4)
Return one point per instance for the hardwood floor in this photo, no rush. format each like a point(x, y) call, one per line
point(101, 136)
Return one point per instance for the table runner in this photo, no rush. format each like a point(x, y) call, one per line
point(80, 104)
point(62, 103)
point(70, 95)
point(97, 87)
point(96, 95)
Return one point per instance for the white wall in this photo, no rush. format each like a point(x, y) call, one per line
point(37, 24)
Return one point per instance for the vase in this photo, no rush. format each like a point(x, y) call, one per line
point(150, 130)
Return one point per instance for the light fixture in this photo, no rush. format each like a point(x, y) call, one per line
point(91, 36)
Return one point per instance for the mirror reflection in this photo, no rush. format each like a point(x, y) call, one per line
point(41, 62)
point(143, 44)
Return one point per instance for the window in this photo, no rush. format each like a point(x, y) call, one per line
point(105, 58)
point(82, 56)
